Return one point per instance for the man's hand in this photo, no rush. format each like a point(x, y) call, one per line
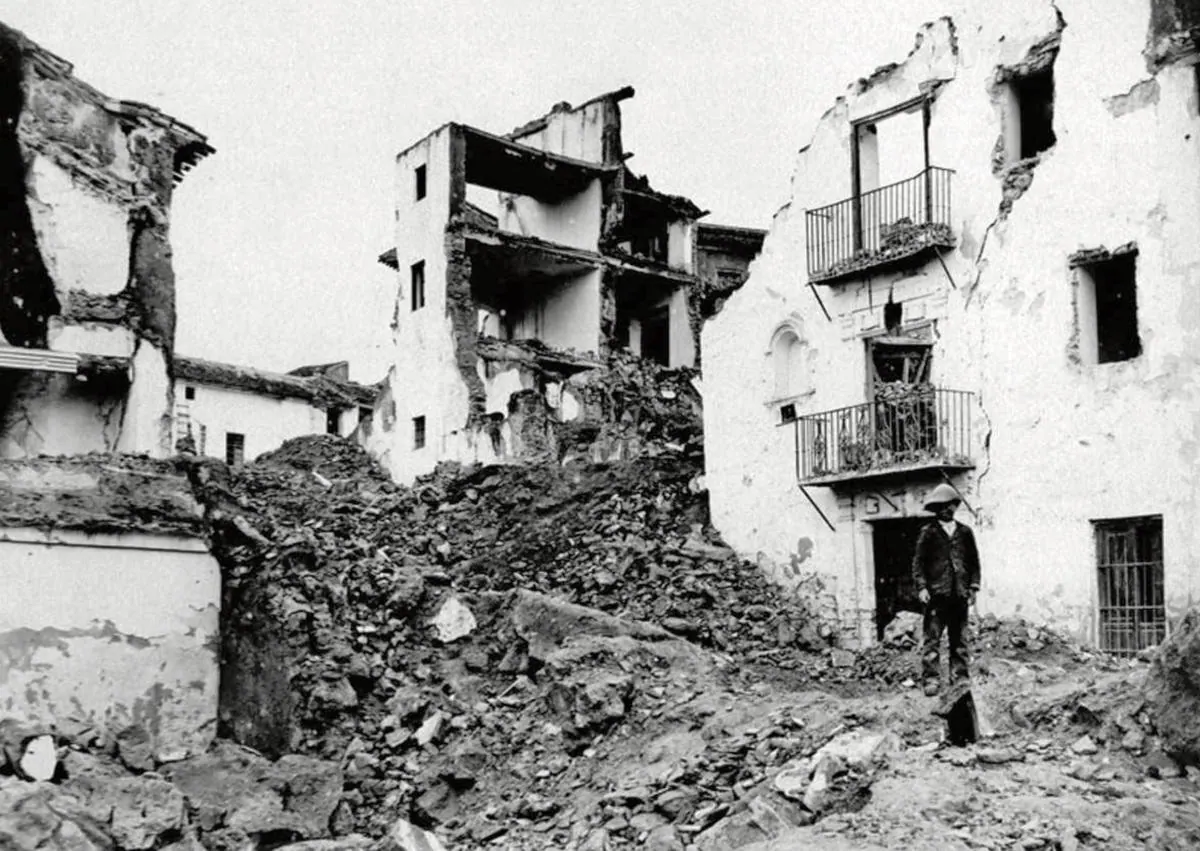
point(923, 596)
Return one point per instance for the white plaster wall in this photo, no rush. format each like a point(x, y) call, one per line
point(266, 421)
point(683, 346)
point(425, 380)
point(93, 339)
point(146, 426)
point(680, 245)
point(567, 317)
point(1057, 444)
point(84, 240)
point(60, 415)
point(574, 221)
point(577, 133)
point(116, 630)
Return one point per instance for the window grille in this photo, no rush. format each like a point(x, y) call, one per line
point(1129, 561)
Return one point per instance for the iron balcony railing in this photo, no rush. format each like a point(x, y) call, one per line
point(884, 224)
point(914, 426)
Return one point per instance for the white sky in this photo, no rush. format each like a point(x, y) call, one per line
point(307, 104)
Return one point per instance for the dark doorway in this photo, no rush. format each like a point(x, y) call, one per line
point(894, 542)
point(656, 335)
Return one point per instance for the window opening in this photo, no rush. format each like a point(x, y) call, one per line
point(1129, 563)
point(417, 284)
point(333, 421)
point(1035, 111)
point(364, 413)
point(235, 448)
point(189, 393)
point(656, 335)
point(1107, 310)
point(419, 176)
point(418, 432)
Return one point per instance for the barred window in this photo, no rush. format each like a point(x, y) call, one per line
point(1129, 561)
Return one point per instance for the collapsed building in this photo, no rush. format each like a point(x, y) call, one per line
point(525, 262)
point(237, 412)
point(984, 276)
point(87, 290)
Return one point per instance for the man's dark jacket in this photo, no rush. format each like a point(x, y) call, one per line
point(946, 565)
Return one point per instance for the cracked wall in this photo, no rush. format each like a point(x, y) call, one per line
point(1057, 442)
point(109, 615)
point(87, 258)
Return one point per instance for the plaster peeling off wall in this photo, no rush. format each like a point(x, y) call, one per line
point(113, 630)
point(87, 184)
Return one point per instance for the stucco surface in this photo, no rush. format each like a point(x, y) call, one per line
point(1057, 442)
point(114, 630)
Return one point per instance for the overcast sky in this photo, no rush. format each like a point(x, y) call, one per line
point(307, 104)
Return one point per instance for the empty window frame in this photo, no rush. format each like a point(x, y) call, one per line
point(418, 432)
point(417, 284)
point(1033, 112)
point(1129, 564)
point(189, 393)
point(419, 181)
point(235, 448)
point(1107, 309)
point(333, 421)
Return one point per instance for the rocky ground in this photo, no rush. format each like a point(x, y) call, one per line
point(567, 657)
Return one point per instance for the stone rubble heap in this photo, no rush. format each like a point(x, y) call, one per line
point(417, 645)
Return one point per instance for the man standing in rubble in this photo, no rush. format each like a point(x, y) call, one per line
point(946, 572)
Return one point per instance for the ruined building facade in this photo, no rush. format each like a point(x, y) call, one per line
point(986, 275)
point(524, 262)
point(87, 291)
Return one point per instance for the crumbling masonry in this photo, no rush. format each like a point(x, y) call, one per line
point(87, 291)
point(526, 262)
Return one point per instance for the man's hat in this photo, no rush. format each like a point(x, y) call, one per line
point(941, 495)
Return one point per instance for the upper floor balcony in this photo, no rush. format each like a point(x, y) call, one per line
point(905, 429)
point(882, 228)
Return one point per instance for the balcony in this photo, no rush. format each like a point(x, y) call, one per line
point(884, 228)
point(914, 428)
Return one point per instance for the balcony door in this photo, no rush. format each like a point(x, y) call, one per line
point(904, 402)
point(889, 156)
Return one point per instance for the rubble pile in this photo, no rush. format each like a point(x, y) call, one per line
point(895, 659)
point(467, 648)
point(636, 407)
point(110, 794)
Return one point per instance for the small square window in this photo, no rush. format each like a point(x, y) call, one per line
point(787, 413)
point(189, 392)
point(1107, 310)
point(235, 448)
point(417, 284)
point(418, 432)
point(419, 177)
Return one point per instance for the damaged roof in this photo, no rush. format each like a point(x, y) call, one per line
point(193, 145)
point(711, 237)
point(616, 96)
point(639, 187)
point(320, 390)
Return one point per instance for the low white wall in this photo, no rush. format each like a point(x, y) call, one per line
point(266, 421)
point(112, 629)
